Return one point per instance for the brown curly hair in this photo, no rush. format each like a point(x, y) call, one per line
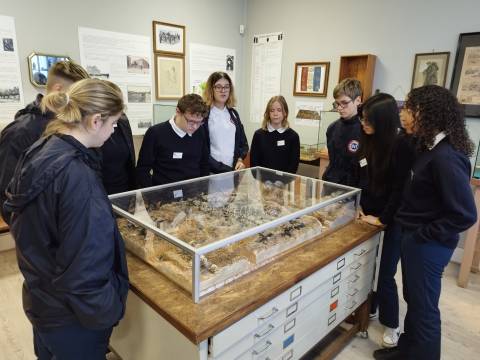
point(436, 109)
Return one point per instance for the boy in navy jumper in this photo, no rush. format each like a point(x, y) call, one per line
point(343, 135)
point(437, 205)
point(177, 149)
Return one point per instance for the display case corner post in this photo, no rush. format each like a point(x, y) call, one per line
point(196, 278)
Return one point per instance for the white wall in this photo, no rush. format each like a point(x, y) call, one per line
point(52, 26)
point(323, 30)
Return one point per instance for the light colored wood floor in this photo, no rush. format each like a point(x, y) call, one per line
point(460, 313)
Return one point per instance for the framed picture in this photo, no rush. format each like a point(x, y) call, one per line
point(38, 66)
point(430, 69)
point(168, 38)
point(169, 77)
point(466, 73)
point(311, 79)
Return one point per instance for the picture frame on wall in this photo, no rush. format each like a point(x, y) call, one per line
point(311, 79)
point(465, 83)
point(430, 69)
point(168, 38)
point(169, 77)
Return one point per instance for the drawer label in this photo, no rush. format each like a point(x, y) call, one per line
point(295, 293)
point(332, 319)
point(334, 292)
point(337, 277)
point(292, 309)
point(340, 263)
point(289, 326)
point(333, 305)
point(288, 341)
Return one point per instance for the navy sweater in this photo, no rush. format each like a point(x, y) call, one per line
point(276, 151)
point(384, 204)
point(343, 142)
point(165, 157)
point(438, 202)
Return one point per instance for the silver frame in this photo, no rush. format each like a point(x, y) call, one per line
point(198, 252)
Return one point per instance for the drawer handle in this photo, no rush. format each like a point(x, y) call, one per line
point(268, 343)
point(361, 253)
point(356, 267)
point(351, 307)
point(273, 312)
point(355, 292)
point(356, 277)
point(266, 332)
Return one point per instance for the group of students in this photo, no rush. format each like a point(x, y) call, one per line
point(415, 181)
point(66, 151)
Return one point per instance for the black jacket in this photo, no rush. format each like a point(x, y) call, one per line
point(241, 144)
point(438, 202)
point(69, 249)
point(118, 159)
point(384, 204)
point(18, 136)
point(343, 139)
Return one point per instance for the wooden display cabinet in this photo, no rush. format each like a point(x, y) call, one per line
point(361, 67)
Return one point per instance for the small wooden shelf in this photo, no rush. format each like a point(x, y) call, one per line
point(361, 67)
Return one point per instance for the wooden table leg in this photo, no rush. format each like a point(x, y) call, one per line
point(476, 258)
point(469, 247)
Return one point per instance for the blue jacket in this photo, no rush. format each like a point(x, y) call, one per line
point(69, 249)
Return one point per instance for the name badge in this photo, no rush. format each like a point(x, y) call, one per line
point(177, 155)
point(363, 162)
point(177, 193)
point(281, 143)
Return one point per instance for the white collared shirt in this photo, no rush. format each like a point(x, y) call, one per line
point(439, 137)
point(222, 135)
point(270, 128)
point(177, 130)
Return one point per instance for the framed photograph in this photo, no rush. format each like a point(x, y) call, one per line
point(430, 69)
point(168, 38)
point(311, 79)
point(169, 77)
point(466, 73)
point(38, 66)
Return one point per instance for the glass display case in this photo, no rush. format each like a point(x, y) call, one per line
point(206, 232)
point(163, 112)
point(312, 142)
point(476, 169)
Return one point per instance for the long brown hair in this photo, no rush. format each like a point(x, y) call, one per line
point(85, 97)
point(436, 109)
point(208, 93)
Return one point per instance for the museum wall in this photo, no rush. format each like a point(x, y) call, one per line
point(52, 27)
point(324, 30)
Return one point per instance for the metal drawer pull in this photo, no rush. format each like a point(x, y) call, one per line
point(268, 343)
point(273, 312)
point(340, 263)
point(351, 281)
point(357, 267)
point(361, 253)
point(353, 305)
point(266, 332)
point(355, 292)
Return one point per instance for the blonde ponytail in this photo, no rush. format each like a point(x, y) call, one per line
point(85, 97)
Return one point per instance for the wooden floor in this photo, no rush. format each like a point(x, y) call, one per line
point(460, 314)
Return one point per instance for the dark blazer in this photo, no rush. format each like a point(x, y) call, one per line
point(241, 144)
point(69, 249)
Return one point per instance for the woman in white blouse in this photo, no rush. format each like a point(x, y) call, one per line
point(226, 136)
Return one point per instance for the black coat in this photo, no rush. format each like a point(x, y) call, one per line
point(18, 136)
point(241, 144)
point(69, 249)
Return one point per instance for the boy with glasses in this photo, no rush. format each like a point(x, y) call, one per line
point(177, 149)
point(344, 134)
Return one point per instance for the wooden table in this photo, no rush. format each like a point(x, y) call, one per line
point(471, 248)
point(226, 306)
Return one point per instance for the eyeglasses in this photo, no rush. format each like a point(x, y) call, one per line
point(193, 123)
point(341, 104)
point(221, 88)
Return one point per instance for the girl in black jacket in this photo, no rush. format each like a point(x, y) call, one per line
point(276, 145)
point(226, 137)
point(385, 159)
point(69, 249)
